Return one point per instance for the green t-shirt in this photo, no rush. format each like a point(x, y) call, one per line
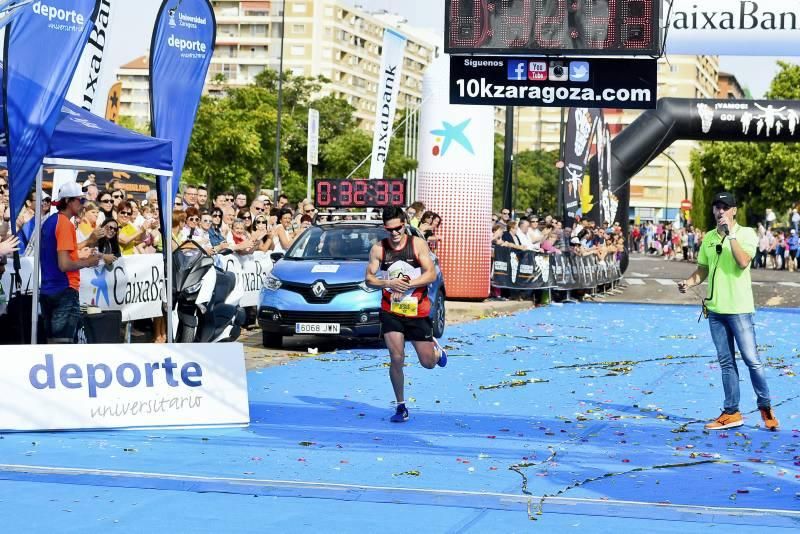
point(728, 284)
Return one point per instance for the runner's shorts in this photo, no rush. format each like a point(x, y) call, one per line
point(413, 328)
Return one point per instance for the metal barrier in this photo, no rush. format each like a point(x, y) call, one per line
point(515, 269)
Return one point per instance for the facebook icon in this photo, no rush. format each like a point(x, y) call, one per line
point(517, 69)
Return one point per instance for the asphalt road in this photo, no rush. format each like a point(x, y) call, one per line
point(653, 280)
point(650, 280)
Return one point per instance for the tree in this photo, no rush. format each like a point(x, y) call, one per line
point(126, 121)
point(761, 175)
point(535, 179)
point(233, 142)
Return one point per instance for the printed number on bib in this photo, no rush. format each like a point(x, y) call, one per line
point(407, 306)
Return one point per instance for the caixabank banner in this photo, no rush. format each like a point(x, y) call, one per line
point(78, 387)
point(539, 81)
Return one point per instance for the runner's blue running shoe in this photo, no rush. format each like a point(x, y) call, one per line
point(401, 415)
point(442, 354)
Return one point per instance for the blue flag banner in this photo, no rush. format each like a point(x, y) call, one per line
point(42, 48)
point(183, 42)
point(9, 9)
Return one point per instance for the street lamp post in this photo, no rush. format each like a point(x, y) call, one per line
point(666, 198)
point(277, 190)
point(680, 171)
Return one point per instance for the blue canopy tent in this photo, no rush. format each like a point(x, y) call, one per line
point(85, 141)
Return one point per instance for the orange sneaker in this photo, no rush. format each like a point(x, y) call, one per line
point(726, 421)
point(770, 421)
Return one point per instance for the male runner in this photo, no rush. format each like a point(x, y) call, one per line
point(402, 267)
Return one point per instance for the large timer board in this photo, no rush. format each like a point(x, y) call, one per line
point(360, 193)
point(553, 27)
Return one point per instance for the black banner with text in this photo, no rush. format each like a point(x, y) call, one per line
point(545, 82)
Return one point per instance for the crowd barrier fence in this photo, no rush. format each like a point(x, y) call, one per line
point(514, 269)
point(135, 284)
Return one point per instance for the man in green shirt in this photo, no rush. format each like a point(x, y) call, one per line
point(726, 254)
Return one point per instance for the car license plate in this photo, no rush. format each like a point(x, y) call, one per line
point(317, 328)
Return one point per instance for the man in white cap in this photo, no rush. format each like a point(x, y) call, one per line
point(60, 267)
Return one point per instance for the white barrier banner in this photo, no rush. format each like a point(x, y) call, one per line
point(733, 27)
point(135, 284)
point(251, 274)
point(63, 387)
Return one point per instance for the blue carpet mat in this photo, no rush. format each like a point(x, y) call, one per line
point(598, 407)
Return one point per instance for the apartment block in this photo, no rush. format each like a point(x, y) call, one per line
point(135, 98)
point(321, 37)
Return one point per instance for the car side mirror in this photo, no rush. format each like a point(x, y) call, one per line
point(275, 256)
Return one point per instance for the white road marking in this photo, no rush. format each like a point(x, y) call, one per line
point(789, 284)
point(665, 281)
point(634, 282)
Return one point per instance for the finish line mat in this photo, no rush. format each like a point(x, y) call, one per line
point(585, 416)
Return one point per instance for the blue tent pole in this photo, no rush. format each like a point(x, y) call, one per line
point(166, 239)
point(37, 234)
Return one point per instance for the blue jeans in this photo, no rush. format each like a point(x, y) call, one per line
point(62, 315)
point(725, 328)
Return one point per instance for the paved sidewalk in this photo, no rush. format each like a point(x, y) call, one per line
point(257, 356)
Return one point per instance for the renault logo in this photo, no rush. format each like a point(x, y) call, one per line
point(318, 289)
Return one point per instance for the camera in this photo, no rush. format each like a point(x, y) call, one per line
point(558, 71)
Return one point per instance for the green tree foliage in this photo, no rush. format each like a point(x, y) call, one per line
point(761, 175)
point(535, 179)
point(233, 141)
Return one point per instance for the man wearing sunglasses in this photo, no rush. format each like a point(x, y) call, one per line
point(726, 253)
point(401, 266)
point(61, 264)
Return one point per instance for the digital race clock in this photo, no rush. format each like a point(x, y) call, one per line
point(360, 193)
point(553, 27)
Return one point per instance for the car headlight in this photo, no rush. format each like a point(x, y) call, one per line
point(273, 283)
point(369, 289)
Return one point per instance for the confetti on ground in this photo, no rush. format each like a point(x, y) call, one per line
point(614, 414)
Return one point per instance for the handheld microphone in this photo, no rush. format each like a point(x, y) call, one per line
point(725, 229)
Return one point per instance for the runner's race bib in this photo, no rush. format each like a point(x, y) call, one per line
point(407, 305)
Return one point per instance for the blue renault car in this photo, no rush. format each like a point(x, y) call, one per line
point(317, 287)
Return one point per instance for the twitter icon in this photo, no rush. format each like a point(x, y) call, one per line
point(579, 71)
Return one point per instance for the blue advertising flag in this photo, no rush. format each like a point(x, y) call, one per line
point(42, 48)
point(9, 9)
point(183, 42)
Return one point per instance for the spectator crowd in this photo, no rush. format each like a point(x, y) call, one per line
point(112, 222)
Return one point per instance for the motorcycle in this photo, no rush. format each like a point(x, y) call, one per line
point(205, 298)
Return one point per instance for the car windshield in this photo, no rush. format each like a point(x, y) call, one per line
point(336, 243)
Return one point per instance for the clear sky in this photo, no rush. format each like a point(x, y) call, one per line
point(139, 15)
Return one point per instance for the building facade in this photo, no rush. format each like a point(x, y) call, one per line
point(321, 38)
point(134, 100)
point(729, 87)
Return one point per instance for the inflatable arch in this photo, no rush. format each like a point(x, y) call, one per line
point(700, 120)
